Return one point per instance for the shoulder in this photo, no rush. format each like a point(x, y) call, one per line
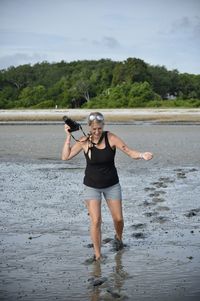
point(81, 142)
point(83, 139)
point(113, 139)
point(112, 135)
point(116, 141)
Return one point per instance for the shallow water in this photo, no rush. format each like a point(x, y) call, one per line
point(44, 236)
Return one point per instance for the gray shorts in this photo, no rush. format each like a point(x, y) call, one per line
point(109, 193)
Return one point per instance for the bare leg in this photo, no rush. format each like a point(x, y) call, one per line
point(94, 209)
point(115, 207)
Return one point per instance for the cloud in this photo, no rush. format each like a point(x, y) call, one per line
point(108, 42)
point(20, 59)
point(32, 40)
point(181, 24)
point(197, 27)
point(158, 31)
point(186, 25)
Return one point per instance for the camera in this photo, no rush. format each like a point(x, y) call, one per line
point(74, 126)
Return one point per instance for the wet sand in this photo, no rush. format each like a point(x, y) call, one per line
point(45, 238)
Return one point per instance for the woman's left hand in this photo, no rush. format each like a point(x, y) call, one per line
point(147, 156)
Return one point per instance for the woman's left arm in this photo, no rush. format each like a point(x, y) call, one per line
point(117, 142)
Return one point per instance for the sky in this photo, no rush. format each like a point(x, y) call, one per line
point(160, 32)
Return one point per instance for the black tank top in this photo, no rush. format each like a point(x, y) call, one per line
point(100, 170)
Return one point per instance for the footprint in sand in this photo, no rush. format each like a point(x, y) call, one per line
point(158, 200)
point(89, 246)
point(162, 182)
point(166, 180)
point(163, 208)
point(107, 240)
point(138, 226)
point(97, 281)
point(149, 188)
point(193, 212)
point(192, 170)
point(138, 235)
point(104, 241)
point(150, 214)
point(160, 219)
point(157, 193)
point(185, 170)
point(114, 294)
point(148, 204)
point(159, 184)
point(181, 175)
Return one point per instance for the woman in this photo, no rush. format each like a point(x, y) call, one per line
point(101, 177)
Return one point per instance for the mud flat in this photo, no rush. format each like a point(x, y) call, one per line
point(162, 115)
point(44, 238)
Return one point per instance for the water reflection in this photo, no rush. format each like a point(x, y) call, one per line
point(103, 287)
point(96, 275)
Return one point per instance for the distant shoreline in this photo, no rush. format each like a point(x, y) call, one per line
point(112, 115)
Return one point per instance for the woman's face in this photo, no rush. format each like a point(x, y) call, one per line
point(96, 129)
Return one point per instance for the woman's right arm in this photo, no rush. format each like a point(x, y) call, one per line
point(69, 152)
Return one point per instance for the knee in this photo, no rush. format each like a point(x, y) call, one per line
point(96, 222)
point(119, 220)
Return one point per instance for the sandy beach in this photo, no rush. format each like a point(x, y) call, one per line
point(45, 238)
point(162, 115)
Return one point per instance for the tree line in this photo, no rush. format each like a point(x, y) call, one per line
point(97, 84)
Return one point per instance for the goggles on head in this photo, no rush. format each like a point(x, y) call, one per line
point(96, 116)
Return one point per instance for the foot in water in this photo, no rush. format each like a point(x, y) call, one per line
point(97, 260)
point(117, 244)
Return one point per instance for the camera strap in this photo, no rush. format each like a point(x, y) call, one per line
point(88, 137)
point(100, 140)
point(82, 132)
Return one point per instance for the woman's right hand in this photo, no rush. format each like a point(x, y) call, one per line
point(67, 128)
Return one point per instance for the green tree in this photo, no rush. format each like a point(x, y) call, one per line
point(102, 83)
point(140, 94)
point(20, 76)
point(160, 80)
point(31, 96)
point(136, 70)
point(81, 89)
point(189, 86)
